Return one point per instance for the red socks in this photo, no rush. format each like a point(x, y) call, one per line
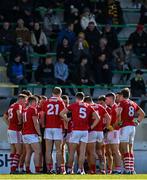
point(14, 162)
point(129, 162)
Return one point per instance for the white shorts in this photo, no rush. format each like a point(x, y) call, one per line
point(113, 137)
point(30, 138)
point(14, 137)
point(78, 136)
point(127, 134)
point(53, 134)
point(68, 137)
point(95, 136)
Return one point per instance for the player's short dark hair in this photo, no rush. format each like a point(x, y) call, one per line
point(125, 93)
point(80, 95)
point(44, 97)
point(65, 97)
point(31, 99)
point(102, 98)
point(111, 95)
point(118, 93)
point(57, 91)
point(22, 96)
point(26, 92)
point(88, 99)
point(37, 96)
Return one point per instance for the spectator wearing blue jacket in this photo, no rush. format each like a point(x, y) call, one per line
point(16, 71)
point(62, 73)
point(68, 34)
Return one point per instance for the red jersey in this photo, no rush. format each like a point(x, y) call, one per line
point(81, 114)
point(12, 117)
point(102, 112)
point(129, 108)
point(114, 115)
point(52, 109)
point(28, 124)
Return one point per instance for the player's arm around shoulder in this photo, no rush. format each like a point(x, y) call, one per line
point(96, 118)
point(63, 114)
point(141, 114)
point(5, 119)
point(36, 122)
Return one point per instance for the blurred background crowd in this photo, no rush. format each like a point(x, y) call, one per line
point(76, 42)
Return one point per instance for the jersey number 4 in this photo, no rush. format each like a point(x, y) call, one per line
point(53, 109)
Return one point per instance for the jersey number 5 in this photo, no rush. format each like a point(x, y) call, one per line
point(82, 113)
point(53, 109)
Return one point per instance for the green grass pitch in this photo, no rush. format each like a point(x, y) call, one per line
point(98, 177)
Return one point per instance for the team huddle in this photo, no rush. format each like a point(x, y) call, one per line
point(98, 137)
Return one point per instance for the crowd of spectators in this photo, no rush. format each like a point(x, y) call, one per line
point(86, 53)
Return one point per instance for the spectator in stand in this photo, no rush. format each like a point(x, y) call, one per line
point(7, 38)
point(139, 41)
point(75, 18)
point(39, 39)
point(25, 10)
point(122, 56)
point(103, 69)
point(23, 32)
point(98, 8)
point(45, 73)
point(143, 13)
point(68, 33)
point(62, 73)
point(86, 18)
point(122, 59)
point(114, 13)
point(51, 23)
point(16, 71)
point(92, 36)
point(80, 48)
point(66, 50)
point(138, 85)
point(84, 74)
point(19, 48)
point(103, 48)
point(111, 37)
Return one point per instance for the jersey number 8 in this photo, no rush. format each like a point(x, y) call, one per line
point(131, 111)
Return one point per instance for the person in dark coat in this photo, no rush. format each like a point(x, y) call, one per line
point(138, 85)
point(45, 73)
point(111, 36)
point(139, 41)
point(84, 74)
point(92, 36)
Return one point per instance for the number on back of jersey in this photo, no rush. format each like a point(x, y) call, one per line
point(82, 113)
point(10, 113)
point(53, 109)
point(131, 111)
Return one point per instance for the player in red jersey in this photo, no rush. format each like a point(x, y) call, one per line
point(126, 113)
point(107, 153)
point(53, 129)
point(14, 121)
point(96, 137)
point(23, 155)
point(113, 135)
point(31, 134)
point(65, 133)
point(81, 114)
